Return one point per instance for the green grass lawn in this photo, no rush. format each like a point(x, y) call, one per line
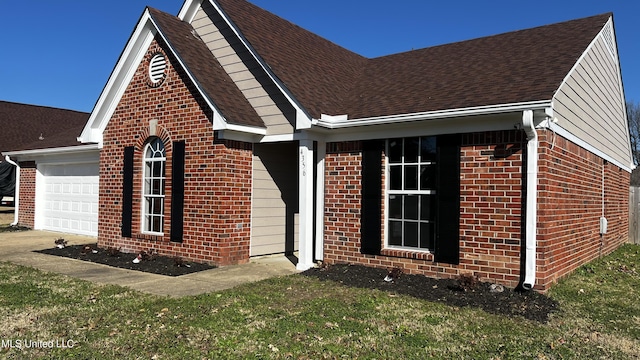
point(300, 317)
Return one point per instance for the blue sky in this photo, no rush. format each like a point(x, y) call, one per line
point(61, 53)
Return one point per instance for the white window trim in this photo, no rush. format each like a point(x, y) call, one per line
point(145, 196)
point(389, 192)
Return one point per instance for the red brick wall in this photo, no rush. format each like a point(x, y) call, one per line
point(27, 194)
point(492, 180)
point(491, 194)
point(570, 205)
point(217, 201)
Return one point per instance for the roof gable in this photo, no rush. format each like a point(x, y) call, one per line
point(230, 110)
point(206, 70)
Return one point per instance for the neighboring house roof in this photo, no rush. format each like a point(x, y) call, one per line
point(205, 68)
point(22, 126)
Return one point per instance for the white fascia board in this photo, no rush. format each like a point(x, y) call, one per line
point(60, 155)
point(303, 119)
point(189, 10)
point(559, 130)
point(120, 78)
point(342, 122)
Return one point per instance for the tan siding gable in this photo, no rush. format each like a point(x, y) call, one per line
point(265, 98)
point(589, 104)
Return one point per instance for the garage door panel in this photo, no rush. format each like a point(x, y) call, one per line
point(70, 198)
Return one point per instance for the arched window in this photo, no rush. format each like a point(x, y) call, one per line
point(155, 160)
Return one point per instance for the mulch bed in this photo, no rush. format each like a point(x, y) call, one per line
point(456, 292)
point(161, 265)
point(459, 292)
point(14, 228)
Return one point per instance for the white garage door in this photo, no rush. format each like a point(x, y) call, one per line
point(69, 198)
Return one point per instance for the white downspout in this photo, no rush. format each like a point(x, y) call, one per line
point(16, 195)
point(532, 200)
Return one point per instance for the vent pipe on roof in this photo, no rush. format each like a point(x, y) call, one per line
point(531, 217)
point(16, 193)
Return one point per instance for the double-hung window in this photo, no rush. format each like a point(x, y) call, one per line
point(411, 192)
point(153, 187)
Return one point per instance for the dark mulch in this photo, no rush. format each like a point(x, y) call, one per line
point(528, 304)
point(162, 265)
point(14, 228)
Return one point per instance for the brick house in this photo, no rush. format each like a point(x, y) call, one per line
point(227, 132)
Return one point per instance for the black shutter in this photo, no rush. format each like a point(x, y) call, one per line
point(127, 191)
point(370, 218)
point(177, 191)
point(447, 246)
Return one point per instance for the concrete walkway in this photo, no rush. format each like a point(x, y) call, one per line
point(18, 247)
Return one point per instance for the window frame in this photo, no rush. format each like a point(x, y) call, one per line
point(148, 179)
point(420, 191)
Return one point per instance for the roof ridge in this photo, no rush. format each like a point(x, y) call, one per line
point(44, 107)
point(562, 23)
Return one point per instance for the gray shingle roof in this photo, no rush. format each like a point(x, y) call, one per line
point(21, 126)
point(520, 66)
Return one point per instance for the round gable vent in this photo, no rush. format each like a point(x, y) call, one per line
point(157, 69)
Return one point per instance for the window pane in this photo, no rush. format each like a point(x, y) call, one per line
point(411, 150)
point(427, 177)
point(411, 177)
point(395, 206)
point(395, 151)
point(411, 234)
point(158, 185)
point(427, 203)
point(157, 205)
point(426, 236)
point(428, 148)
point(411, 207)
point(147, 186)
point(156, 224)
point(395, 178)
point(147, 168)
point(395, 233)
point(157, 167)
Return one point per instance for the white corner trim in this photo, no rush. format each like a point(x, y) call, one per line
point(333, 118)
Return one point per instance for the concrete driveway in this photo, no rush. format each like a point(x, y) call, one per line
point(18, 247)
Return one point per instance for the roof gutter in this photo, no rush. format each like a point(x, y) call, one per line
point(342, 121)
point(531, 217)
point(58, 150)
point(16, 194)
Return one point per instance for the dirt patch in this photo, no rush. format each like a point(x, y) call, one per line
point(155, 264)
point(456, 292)
point(6, 215)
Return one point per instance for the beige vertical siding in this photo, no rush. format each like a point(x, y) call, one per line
point(589, 104)
point(274, 210)
point(241, 67)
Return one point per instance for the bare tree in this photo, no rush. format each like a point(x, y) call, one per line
point(633, 115)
